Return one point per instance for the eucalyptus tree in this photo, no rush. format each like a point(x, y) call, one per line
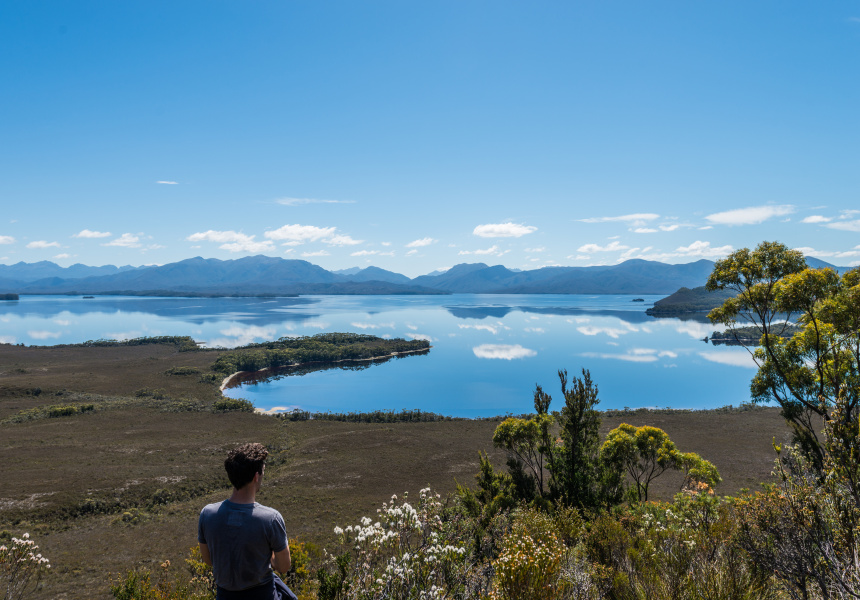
point(805, 373)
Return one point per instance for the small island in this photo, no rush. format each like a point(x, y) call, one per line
point(8, 296)
point(320, 348)
point(751, 336)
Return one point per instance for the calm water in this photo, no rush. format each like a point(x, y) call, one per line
point(488, 351)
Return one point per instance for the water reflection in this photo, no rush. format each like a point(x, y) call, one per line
point(488, 351)
point(268, 375)
point(503, 351)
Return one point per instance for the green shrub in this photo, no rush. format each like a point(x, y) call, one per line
point(182, 371)
point(61, 411)
point(210, 378)
point(230, 404)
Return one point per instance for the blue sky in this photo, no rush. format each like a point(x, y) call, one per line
point(417, 135)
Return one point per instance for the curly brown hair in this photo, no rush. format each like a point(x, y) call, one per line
point(244, 462)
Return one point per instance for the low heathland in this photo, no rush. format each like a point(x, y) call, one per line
point(109, 452)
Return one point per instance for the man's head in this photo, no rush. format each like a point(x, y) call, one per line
point(244, 462)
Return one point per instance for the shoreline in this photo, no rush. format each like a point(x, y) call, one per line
point(225, 383)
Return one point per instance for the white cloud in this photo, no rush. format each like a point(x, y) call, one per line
point(420, 336)
point(807, 251)
point(317, 253)
point(219, 236)
point(490, 250)
point(7, 339)
point(299, 201)
point(86, 233)
point(43, 244)
point(672, 227)
point(44, 335)
point(299, 234)
point(233, 241)
point(493, 230)
point(411, 252)
point(592, 248)
point(733, 359)
point(531, 250)
point(126, 240)
point(168, 182)
point(364, 253)
point(248, 246)
point(342, 240)
point(752, 215)
point(63, 255)
point(644, 230)
point(634, 218)
point(845, 225)
point(422, 242)
point(698, 249)
point(503, 351)
point(816, 219)
point(7, 239)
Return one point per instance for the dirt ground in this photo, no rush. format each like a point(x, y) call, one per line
point(120, 486)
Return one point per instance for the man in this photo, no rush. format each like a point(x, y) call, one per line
point(243, 540)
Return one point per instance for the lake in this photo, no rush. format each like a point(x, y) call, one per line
point(489, 351)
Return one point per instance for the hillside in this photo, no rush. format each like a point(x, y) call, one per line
point(687, 300)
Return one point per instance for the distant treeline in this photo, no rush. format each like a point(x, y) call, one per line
point(8, 296)
point(323, 347)
point(750, 336)
point(182, 342)
point(376, 416)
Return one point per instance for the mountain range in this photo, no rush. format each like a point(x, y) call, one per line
point(256, 275)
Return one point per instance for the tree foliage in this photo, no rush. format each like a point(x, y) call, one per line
point(576, 476)
point(644, 453)
point(806, 372)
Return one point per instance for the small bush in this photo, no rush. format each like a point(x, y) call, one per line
point(210, 378)
point(61, 411)
point(230, 404)
point(182, 371)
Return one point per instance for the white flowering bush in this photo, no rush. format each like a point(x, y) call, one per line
point(403, 555)
point(21, 567)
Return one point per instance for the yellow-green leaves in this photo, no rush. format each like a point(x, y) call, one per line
point(646, 452)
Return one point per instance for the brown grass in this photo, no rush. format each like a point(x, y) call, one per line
point(69, 480)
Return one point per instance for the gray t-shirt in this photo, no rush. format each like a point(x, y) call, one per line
point(241, 539)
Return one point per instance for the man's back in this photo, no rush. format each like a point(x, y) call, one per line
point(241, 539)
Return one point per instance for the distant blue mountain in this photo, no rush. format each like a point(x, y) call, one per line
point(41, 270)
point(271, 275)
point(377, 274)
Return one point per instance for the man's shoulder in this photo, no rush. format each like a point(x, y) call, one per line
point(264, 510)
point(211, 508)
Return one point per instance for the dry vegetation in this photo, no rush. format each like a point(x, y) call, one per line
point(120, 485)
